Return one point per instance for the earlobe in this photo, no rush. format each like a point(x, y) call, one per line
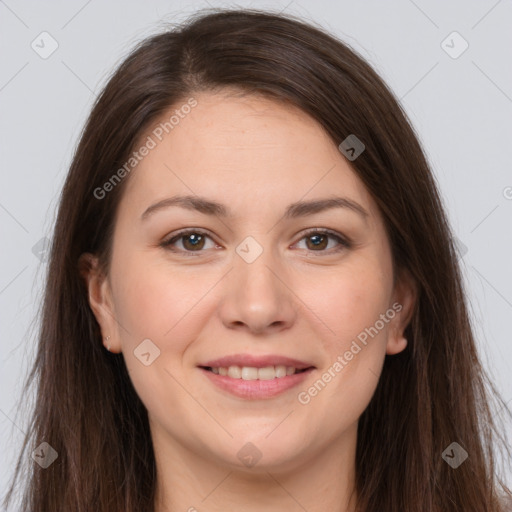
point(99, 298)
point(405, 297)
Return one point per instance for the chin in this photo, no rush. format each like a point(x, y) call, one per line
point(254, 452)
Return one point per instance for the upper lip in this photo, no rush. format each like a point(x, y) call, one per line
point(255, 361)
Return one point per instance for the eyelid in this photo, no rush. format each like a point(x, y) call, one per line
point(174, 237)
point(343, 241)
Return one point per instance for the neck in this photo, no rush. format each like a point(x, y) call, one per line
point(187, 481)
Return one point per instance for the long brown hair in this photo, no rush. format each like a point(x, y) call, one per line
point(430, 395)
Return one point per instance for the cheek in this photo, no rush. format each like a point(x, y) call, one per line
point(154, 300)
point(351, 303)
point(347, 300)
point(347, 307)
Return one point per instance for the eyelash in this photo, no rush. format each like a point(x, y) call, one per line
point(344, 243)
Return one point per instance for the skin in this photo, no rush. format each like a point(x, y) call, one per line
point(256, 157)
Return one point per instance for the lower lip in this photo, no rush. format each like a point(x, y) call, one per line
point(257, 389)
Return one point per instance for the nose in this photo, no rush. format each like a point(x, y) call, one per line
point(257, 298)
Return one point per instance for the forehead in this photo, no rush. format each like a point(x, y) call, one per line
point(233, 147)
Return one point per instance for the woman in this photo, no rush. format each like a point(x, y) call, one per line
point(253, 299)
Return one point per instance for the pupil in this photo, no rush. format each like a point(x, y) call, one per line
point(193, 240)
point(317, 240)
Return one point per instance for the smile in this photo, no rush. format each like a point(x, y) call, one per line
point(256, 377)
point(253, 373)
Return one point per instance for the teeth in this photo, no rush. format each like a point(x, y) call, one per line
point(252, 373)
point(281, 371)
point(267, 373)
point(249, 373)
point(235, 372)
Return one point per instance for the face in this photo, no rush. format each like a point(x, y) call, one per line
point(294, 294)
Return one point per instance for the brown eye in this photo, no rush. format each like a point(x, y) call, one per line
point(317, 240)
point(191, 241)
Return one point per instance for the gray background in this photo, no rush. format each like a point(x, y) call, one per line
point(461, 108)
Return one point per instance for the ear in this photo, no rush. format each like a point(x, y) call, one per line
point(100, 300)
point(403, 304)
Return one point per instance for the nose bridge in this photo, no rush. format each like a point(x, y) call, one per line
point(256, 295)
point(252, 267)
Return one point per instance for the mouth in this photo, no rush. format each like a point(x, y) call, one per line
point(256, 377)
point(255, 373)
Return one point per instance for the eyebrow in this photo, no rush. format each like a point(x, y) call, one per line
point(294, 210)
